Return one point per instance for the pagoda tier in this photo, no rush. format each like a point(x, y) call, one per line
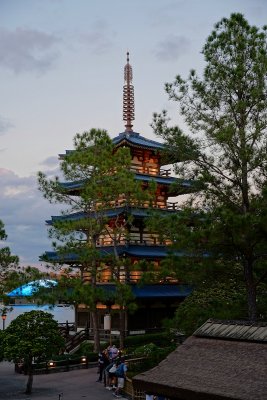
point(147, 155)
point(167, 186)
point(128, 250)
point(153, 254)
point(136, 212)
point(135, 233)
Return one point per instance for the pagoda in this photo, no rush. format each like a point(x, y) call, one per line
point(149, 164)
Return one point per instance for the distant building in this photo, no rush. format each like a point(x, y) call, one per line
point(23, 293)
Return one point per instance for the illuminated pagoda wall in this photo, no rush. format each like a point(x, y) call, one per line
point(158, 301)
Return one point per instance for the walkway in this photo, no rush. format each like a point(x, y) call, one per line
point(73, 385)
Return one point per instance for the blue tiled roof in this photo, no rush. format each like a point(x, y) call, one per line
point(164, 180)
point(150, 291)
point(140, 177)
point(136, 212)
point(30, 288)
point(135, 139)
point(139, 251)
point(153, 291)
point(132, 139)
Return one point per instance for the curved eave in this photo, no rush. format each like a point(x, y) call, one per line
point(131, 139)
point(138, 213)
point(175, 186)
point(151, 291)
point(137, 251)
point(136, 140)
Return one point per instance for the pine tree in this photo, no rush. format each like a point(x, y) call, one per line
point(226, 112)
point(8, 262)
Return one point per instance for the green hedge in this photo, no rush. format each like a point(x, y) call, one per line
point(161, 339)
point(151, 361)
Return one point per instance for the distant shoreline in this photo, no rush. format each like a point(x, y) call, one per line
point(61, 313)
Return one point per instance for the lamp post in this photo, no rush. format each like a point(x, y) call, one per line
point(3, 312)
point(3, 318)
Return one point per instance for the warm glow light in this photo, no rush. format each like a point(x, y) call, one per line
point(101, 306)
point(51, 364)
point(115, 307)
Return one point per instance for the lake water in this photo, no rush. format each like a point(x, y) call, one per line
point(60, 313)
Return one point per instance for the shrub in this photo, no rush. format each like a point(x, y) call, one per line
point(146, 350)
point(161, 339)
point(85, 348)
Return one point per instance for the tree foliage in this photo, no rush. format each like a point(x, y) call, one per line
point(8, 261)
point(32, 335)
point(23, 275)
point(226, 112)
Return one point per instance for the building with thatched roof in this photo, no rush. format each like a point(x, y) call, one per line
point(221, 360)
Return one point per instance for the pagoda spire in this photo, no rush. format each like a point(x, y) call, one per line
point(128, 97)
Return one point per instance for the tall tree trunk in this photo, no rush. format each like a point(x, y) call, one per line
point(30, 377)
point(251, 290)
point(122, 327)
point(94, 315)
point(94, 312)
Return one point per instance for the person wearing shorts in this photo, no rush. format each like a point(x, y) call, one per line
point(121, 374)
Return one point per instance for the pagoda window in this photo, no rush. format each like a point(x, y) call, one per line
point(105, 274)
point(136, 164)
point(86, 276)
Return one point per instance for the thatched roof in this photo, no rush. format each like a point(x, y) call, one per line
point(210, 369)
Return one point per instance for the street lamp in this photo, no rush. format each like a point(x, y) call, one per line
point(3, 318)
point(3, 312)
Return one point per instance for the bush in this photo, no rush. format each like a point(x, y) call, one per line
point(161, 339)
point(154, 355)
point(146, 350)
point(85, 348)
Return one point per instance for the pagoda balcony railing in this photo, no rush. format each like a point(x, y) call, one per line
point(165, 172)
point(139, 242)
point(163, 206)
point(173, 206)
point(144, 170)
point(150, 170)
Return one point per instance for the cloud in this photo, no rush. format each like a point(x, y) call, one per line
point(166, 15)
point(98, 39)
point(5, 125)
point(25, 50)
point(171, 48)
point(50, 162)
point(23, 210)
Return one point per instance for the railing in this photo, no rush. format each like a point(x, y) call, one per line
point(147, 170)
point(162, 206)
point(144, 242)
point(75, 340)
point(165, 172)
point(65, 328)
point(65, 365)
point(172, 206)
point(132, 393)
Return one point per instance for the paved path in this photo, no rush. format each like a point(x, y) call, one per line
point(72, 385)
